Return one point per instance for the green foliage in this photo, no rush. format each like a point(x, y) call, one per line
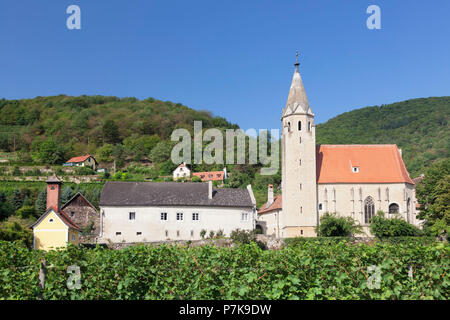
point(433, 195)
point(243, 236)
point(13, 231)
point(196, 179)
point(5, 207)
point(202, 233)
point(309, 271)
point(26, 212)
point(104, 153)
point(418, 126)
point(110, 132)
point(161, 152)
point(333, 226)
point(66, 194)
point(49, 151)
point(84, 171)
point(41, 202)
point(383, 227)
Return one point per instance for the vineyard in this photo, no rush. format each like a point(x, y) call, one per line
point(306, 270)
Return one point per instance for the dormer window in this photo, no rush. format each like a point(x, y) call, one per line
point(355, 169)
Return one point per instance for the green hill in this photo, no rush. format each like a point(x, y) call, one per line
point(418, 126)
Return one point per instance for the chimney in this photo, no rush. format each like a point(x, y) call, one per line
point(210, 190)
point(270, 195)
point(53, 192)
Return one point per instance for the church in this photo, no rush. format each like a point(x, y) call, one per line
point(348, 180)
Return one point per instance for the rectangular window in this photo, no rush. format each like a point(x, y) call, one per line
point(300, 162)
point(72, 214)
point(300, 186)
point(192, 233)
point(132, 215)
point(178, 233)
point(300, 139)
point(195, 216)
point(301, 209)
point(163, 215)
point(118, 233)
point(167, 233)
point(244, 216)
point(179, 216)
point(138, 233)
point(320, 206)
point(73, 237)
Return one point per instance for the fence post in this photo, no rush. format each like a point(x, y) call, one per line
point(42, 272)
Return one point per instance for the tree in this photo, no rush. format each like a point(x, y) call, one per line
point(67, 194)
point(13, 231)
point(5, 207)
point(16, 199)
point(48, 151)
point(111, 132)
point(104, 153)
point(161, 152)
point(433, 195)
point(118, 155)
point(333, 226)
point(41, 201)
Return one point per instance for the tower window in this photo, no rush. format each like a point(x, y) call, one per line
point(355, 169)
point(300, 139)
point(132, 215)
point(299, 126)
point(301, 209)
point(300, 162)
point(309, 126)
point(300, 186)
point(320, 206)
point(289, 127)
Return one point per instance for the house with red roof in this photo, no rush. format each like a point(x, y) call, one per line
point(353, 181)
point(81, 161)
point(54, 229)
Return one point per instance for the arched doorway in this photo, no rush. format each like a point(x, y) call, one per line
point(369, 209)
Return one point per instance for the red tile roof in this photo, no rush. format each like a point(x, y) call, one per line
point(277, 204)
point(377, 164)
point(210, 175)
point(79, 159)
point(64, 217)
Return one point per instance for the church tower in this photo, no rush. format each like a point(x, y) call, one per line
point(298, 164)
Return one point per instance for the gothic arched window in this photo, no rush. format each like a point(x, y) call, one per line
point(289, 127)
point(299, 126)
point(369, 209)
point(309, 126)
point(394, 208)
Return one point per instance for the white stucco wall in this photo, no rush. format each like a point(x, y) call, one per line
point(272, 222)
point(338, 199)
point(148, 222)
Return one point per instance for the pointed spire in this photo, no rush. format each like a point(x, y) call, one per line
point(297, 95)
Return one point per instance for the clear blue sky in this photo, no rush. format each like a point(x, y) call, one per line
point(234, 58)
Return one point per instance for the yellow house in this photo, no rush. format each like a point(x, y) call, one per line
point(54, 229)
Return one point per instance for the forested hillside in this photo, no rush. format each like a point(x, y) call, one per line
point(418, 126)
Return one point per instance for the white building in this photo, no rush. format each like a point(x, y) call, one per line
point(348, 180)
point(182, 171)
point(152, 211)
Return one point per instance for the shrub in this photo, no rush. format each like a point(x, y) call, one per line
point(382, 227)
point(84, 171)
point(243, 236)
point(13, 231)
point(26, 212)
point(16, 171)
point(203, 233)
point(211, 234)
point(196, 179)
point(333, 226)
